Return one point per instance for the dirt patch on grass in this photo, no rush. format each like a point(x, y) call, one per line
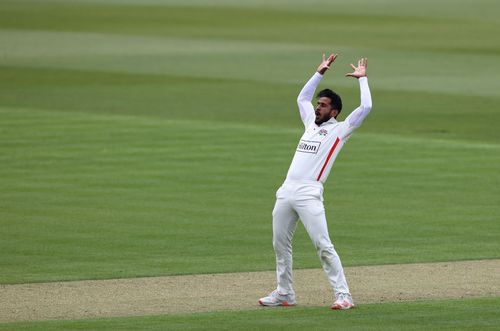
point(239, 291)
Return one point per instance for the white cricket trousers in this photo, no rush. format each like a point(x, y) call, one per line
point(304, 200)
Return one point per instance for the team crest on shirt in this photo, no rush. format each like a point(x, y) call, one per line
point(323, 132)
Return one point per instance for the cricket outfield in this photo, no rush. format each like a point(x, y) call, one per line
point(142, 143)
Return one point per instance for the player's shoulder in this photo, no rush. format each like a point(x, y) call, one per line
point(336, 124)
point(341, 129)
point(343, 123)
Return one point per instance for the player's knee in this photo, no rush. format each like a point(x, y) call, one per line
point(326, 252)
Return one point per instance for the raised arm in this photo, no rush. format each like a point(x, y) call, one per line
point(355, 119)
point(304, 100)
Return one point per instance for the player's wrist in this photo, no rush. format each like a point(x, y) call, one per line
point(321, 71)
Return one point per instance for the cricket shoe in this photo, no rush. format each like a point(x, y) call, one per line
point(344, 301)
point(275, 299)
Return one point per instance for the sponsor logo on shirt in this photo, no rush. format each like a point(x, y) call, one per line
point(307, 146)
point(323, 132)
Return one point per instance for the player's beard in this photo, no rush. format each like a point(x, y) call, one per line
point(321, 119)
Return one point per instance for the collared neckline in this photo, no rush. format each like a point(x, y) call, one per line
point(330, 121)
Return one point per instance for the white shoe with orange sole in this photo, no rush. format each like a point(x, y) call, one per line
point(344, 301)
point(276, 299)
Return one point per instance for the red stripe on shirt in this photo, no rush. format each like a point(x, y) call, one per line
point(328, 158)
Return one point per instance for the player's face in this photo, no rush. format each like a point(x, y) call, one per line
point(324, 110)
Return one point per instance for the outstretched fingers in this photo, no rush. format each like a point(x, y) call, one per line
point(351, 74)
point(331, 58)
point(326, 62)
point(360, 70)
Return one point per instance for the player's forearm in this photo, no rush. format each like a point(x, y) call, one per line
point(307, 92)
point(366, 97)
point(306, 95)
point(357, 117)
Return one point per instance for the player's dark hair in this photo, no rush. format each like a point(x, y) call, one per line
point(336, 101)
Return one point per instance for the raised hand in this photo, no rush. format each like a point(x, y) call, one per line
point(360, 70)
point(325, 64)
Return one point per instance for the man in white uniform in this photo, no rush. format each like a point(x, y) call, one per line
point(301, 195)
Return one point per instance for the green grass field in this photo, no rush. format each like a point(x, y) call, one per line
point(145, 138)
point(469, 314)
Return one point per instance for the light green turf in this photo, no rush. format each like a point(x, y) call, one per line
point(148, 138)
point(466, 314)
point(101, 196)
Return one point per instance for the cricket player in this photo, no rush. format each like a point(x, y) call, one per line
point(301, 195)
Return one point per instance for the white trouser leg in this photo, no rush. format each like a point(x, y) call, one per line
point(284, 225)
point(312, 215)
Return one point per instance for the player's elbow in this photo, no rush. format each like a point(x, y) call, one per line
point(356, 118)
point(304, 97)
point(366, 107)
point(302, 103)
point(367, 103)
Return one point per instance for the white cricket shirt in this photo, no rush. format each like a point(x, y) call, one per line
point(319, 145)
